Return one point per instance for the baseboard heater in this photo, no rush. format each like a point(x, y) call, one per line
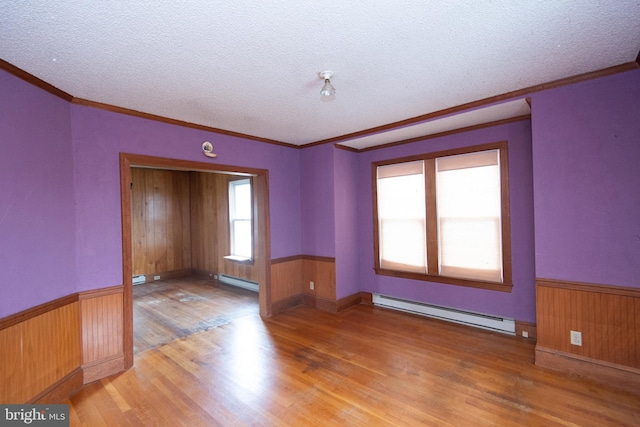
point(236, 281)
point(493, 323)
point(140, 279)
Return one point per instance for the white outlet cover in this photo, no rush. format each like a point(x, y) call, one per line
point(576, 338)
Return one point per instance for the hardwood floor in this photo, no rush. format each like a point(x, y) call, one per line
point(365, 366)
point(166, 310)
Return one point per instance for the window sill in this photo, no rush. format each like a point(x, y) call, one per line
point(493, 286)
point(239, 259)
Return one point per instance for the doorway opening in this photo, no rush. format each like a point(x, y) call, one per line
point(258, 267)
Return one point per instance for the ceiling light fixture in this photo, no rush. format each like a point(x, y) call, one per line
point(327, 88)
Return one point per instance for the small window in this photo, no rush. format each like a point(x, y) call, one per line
point(444, 217)
point(240, 220)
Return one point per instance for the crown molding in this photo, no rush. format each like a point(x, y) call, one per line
point(445, 133)
point(486, 101)
point(162, 119)
point(30, 78)
point(425, 117)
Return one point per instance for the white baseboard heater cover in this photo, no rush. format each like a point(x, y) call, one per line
point(140, 279)
point(493, 323)
point(236, 281)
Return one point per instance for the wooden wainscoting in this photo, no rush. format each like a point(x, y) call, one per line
point(40, 350)
point(286, 283)
point(102, 332)
point(526, 327)
point(290, 284)
point(322, 272)
point(608, 318)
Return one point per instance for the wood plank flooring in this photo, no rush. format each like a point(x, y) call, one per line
point(166, 310)
point(365, 366)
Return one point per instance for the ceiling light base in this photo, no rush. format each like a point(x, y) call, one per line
point(326, 74)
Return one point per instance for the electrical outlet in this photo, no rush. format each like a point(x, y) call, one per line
point(215, 276)
point(576, 338)
point(312, 285)
point(156, 277)
point(525, 334)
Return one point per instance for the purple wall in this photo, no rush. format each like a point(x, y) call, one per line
point(316, 181)
point(586, 157)
point(37, 206)
point(60, 203)
point(329, 179)
point(520, 303)
point(347, 215)
point(98, 138)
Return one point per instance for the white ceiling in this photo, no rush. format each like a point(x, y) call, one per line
point(251, 66)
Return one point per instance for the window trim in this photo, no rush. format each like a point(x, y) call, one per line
point(236, 258)
point(432, 233)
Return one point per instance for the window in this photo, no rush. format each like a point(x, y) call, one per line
point(444, 217)
point(402, 217)
point(240, 220)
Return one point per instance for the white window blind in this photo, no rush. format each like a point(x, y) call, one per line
point(240, 218)
point(469, 216)
point(401, 217)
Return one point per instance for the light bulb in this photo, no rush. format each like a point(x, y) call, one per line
point(327, 89)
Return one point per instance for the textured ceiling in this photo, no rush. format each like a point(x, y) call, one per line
point(251, 66)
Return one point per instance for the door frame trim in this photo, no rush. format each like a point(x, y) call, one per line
point(262, 240)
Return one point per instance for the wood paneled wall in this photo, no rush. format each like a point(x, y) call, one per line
point(40, 350)
point(608, 318)
point(286, 283)
point(102, 332)
point(204, 221)
point(290, 279)
point(160, 220)
point(322, 272)
point(48, 352)
point(210, 227)
point(179, 222)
